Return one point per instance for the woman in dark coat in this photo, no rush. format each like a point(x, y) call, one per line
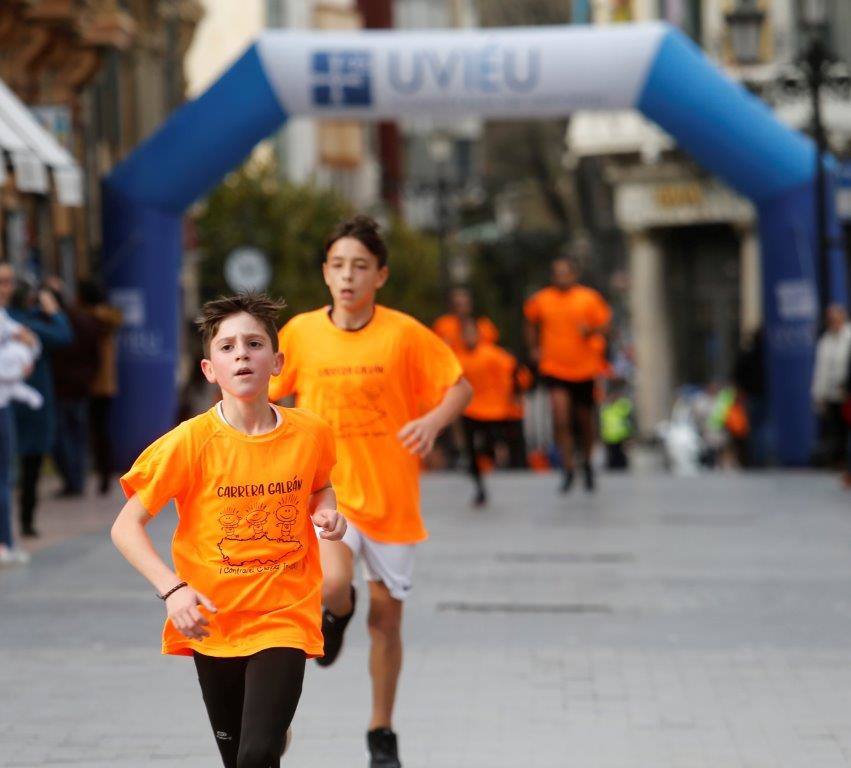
point(35, 431)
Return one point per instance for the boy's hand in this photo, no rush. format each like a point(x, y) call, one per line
point(182, 608)
point(332, 523)
point(418, 436)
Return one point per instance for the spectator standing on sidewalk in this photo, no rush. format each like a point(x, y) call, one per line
point(828, 387)
point(74, 369)
point(104, 388)
point(38, 311)
point(749, 378)
point(10, 377)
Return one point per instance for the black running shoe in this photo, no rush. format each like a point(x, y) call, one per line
point(383, 749)
point(566, 481)
point(588, 472)
point(333, 628)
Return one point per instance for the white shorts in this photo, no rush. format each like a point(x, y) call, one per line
point(392, 564)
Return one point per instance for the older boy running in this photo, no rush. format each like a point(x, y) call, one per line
point(387, 386)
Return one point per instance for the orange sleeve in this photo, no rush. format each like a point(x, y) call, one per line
point(439, 327)
point(327, 456)
point(284, 383)
point(162, 472)
point(434, 365)
point(532, 309)
point(523, 377)
point(488, 332)
point(601, 312)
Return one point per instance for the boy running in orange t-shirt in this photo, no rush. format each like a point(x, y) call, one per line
point(449, 326)
point(387, 386)
point(251, 484)
point(496, 379)
point(565, 332)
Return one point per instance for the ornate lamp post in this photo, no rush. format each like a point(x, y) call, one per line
point(815, 70)
point(440, 152)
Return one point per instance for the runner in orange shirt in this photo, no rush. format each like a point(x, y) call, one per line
point(448, 326)
point(495, 377)
point(565, 328)
point(250, 482)
point(387, 386)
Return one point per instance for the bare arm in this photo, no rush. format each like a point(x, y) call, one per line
point(418, 436)
point(532, 341)
point(599, 329)
point(324, 514)
point(132, 540)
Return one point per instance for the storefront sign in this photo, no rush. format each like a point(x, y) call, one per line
point(247, 269)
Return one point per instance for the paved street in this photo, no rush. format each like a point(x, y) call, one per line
point(664, 622)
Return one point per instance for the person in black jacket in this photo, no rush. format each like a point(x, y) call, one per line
point(749, 379)
point(74, 368)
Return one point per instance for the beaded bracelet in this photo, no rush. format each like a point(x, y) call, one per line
point(173, 590)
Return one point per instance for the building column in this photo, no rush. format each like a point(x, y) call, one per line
point(750, 283)
point(651, 333)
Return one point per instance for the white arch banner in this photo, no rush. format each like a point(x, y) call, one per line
point(505, 73)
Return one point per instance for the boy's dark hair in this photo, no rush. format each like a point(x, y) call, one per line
point(569, 255)
point(365, 230)
point(259, 305)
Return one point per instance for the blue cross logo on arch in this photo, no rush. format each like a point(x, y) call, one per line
point(342, 78)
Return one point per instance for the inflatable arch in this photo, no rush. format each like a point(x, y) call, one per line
point(518, 72)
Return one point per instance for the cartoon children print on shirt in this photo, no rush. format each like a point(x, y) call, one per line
point(260, 535)
point(358, 408)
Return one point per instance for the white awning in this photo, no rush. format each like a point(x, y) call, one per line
point(620, 132)
point(34, 151)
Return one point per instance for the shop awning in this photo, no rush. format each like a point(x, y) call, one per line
point(35, 153)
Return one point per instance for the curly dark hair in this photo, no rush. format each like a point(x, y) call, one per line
point(260, 306)
point(364, 229)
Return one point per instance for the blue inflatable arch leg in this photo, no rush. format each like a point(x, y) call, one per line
point(144, 200)
point(735, 135)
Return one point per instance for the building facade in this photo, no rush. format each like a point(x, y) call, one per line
point(101, 75)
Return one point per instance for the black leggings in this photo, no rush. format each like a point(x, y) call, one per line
point(251, 701)
point(479, 437)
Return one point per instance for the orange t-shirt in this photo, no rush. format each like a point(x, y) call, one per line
point(367, 385)
point(448, 327)
point(490, 371)
point(244, 537)
point(560, 315)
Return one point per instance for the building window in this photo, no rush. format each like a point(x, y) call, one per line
point(275, 14)
point(684, 14)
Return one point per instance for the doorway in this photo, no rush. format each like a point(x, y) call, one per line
point(702, 265)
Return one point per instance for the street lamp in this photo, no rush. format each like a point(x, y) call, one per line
point(815, 70)
point(440, 152)
point(814, 19)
